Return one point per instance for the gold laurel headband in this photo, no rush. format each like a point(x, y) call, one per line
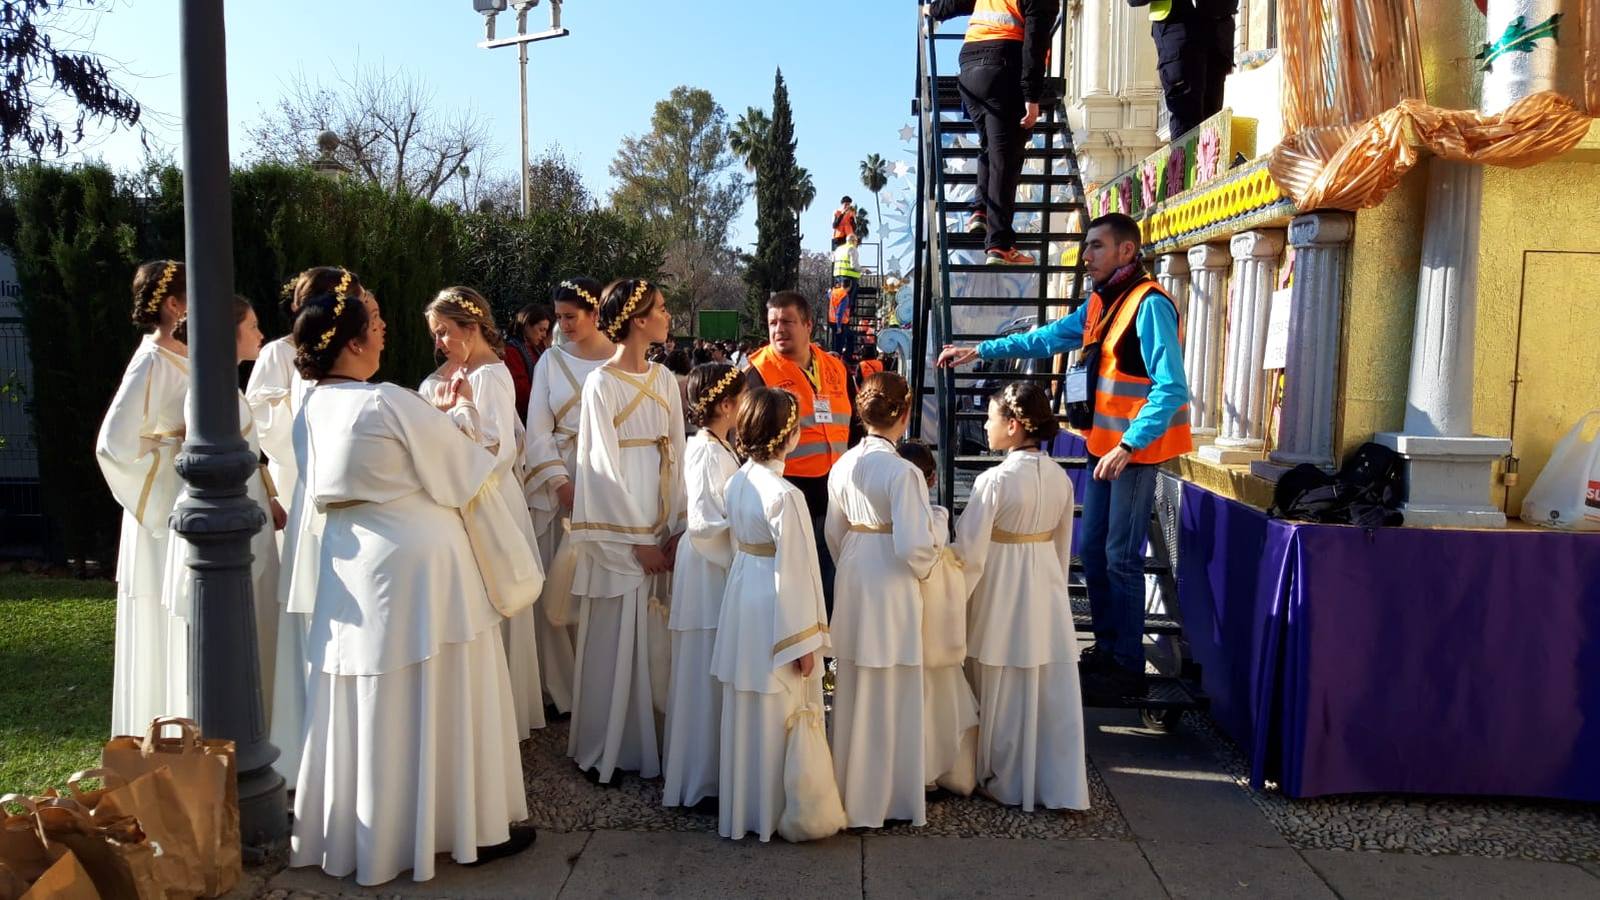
point(712, 397)
point(628, 308)
point(776, 444)
point(467, 305)
point(585, 296)
point(160, 293)
point(339, 293)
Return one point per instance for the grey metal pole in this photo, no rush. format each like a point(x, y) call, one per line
point(218, 518)
point(522, 65)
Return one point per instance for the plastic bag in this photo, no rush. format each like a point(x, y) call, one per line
point(1567, 493)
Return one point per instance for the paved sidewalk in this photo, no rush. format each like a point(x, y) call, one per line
point(1185, 829)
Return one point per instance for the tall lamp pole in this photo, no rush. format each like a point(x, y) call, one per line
point(491, 8)
point(218, 517)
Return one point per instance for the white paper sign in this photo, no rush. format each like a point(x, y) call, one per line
point(1276, 355)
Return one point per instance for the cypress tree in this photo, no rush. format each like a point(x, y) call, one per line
point(775, 266)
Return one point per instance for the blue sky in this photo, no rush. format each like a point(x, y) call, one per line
point(849, 64)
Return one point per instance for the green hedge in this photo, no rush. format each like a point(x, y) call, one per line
point(78, 233)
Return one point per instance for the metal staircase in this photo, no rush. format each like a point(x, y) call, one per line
point(960, 299)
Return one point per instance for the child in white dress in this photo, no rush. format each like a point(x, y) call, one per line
point(628, 514)
point(1015, 539)
point(773, 625)
point(880, 530)
point(138, 442)
point(694, 700)
point(463, 329)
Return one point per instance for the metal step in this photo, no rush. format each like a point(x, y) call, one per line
point(966, 126)
point(1029, 153)
point(974, 240)
point(1070, 176)
point(952, 208)
point(1154, 623)
point(1032, 269)
point(1162, 692)
point(1024, 302)
point(947, 89)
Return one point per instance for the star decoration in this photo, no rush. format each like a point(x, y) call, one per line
point(907, 133)
point(901, 169)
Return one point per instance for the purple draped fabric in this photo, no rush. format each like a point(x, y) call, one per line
point(1396, 660)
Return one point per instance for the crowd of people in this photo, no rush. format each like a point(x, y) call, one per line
point(701, 540)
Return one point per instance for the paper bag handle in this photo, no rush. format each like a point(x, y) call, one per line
point(106, 777)
point(35, 824)
point(191, 734)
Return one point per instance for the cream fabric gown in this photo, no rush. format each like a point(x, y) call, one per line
point(699, 577)
point(176, 595)
point(629, 493)
point(138, 442)
point(274, 392)
point(411, 738)
point(1020, 639)
point(500, 432)
point(772, 615)
point(879, 529)
point(554, 409)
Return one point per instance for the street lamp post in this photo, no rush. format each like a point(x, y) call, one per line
point(491, 8)
point(218, 517)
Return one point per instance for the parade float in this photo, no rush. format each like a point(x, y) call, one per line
point(1390, 234)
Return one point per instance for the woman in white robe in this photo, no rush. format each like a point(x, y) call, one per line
point(699, 577)
point(628, 513)
point(138, 442)
point(879, 528)
point(774, 623)
point(176, 594)
point(463, 330)
point(411, 742)
point(1015, 540)
point(554, 408)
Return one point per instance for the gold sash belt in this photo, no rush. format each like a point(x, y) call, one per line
point(872, 529)
point(764, 550)
point(664, 473)
point(1002, 536)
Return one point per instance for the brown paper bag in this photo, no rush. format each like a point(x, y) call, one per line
point(204, 771)
point(66, 880)
point(153, 800)
point(23, 847)
point(117, 855)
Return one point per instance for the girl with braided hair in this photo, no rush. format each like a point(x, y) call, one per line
point(1015, 541)
point(138, 442)
point(464, 333)
point(550, 466)
point(410, 746)
point(694, 700)
point(880, 529)
point(773, 626)
point(627, 516)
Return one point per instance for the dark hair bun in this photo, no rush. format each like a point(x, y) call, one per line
point(153, 283)
point(622, 302)
point(326, 324)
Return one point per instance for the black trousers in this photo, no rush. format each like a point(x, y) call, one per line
point(815, 490)
point(991, 91)
point(1192, 59)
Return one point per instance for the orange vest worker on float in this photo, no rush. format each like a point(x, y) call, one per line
point(822, 385)
point(1134, 400)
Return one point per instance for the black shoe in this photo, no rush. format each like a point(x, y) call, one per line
point(1093, 660)
point(938, 795)
point(522, 837)
point(553, 715)
point(708, 806)
point(1116, 683)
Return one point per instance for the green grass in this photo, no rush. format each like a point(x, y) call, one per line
point(56, 637)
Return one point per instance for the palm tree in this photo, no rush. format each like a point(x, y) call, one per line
point(803, 191)
point(874, 177)
point(749, 136)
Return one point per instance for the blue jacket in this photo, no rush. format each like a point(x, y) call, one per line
point(1157, 327)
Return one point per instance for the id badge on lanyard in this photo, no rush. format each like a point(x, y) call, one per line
point(1078, 384)
point(822, 410)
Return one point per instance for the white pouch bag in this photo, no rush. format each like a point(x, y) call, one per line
point(944, 613)
point(511, 571)
point(1567, 493)
point(812, 809)
point(560, 607)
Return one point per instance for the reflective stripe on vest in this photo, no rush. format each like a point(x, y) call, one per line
point(841, 264)
point(1160, 9)
point(820, 445)
point(1118, 396)
point(995, 20)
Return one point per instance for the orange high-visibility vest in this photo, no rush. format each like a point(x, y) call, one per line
point(844, 224)
point(995, 20)
point(838, 306)
point(1119, 395)
point(869, 368)
point(821, 444)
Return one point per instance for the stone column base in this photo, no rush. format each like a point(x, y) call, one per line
point(1448, 479)
point(1228, 456)
point(1278, 462)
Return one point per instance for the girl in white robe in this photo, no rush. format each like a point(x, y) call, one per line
point(138, 442)
point(879, 529)
point(699, 577)
point(176, 594)
point(1015, 539)
point(627, 516)
point(554, 408)
point(411, 741)
point(463, 330)
point(773, 627)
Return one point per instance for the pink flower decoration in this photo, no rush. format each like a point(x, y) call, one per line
point(1208, 159)
point(1147, 183)
point(1125, 195)
point(1174, 172)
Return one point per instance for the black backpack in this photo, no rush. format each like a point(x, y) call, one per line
point(1366, 491)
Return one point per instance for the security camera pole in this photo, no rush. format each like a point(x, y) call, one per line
point(491, 8)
